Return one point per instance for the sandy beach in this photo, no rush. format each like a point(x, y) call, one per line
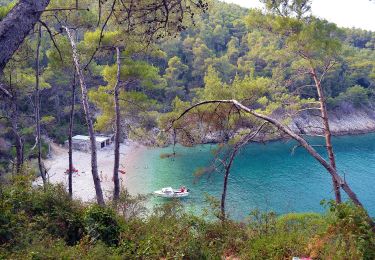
point(83, 185)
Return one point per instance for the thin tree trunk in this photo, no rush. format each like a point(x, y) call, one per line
point(309, 149)
point(225, 184)
point(71, 121)
point(19, 147)
point(327, 133)
point(37, 107)
point(116, 181)
point(14, 124)
point(16, 26)
point(332, 171)
point(228, 166)
point(85, 103)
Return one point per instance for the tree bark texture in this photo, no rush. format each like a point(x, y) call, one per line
point(225, 183)
point(116, 181)
point(37, 107)
point(327, 133)
point(16, 26)
point(19, 145)
point(86, 108)
point(70, 141)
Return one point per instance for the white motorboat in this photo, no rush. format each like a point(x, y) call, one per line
point(168, 192)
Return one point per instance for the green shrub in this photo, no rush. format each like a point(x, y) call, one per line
point(272, 237)
point(43, 223)
point(50, 209)
point(102, 223)
point(347, 236)
point(130, 207)
point(308, 223)
point(357, 95)
point(277, 246)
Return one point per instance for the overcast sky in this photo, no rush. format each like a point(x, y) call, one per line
point(345, 13)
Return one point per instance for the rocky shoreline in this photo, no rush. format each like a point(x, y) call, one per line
point(344, 121)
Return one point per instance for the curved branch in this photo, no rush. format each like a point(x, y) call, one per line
point(52, 38)
point(332, 171)
point(101, 34)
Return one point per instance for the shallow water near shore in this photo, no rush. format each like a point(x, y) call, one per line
point(264, 176)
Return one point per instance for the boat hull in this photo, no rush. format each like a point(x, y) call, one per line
point(175, 194)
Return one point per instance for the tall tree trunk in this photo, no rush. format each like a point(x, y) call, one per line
point(327, 133)
point(225, 184)
point(19, 146)
point(228, 166)
point(71, 121)
point(85, 103)
point(116, 181)
point(37, 107)
point(332, 171)
point(13, 119)
point(16, 26)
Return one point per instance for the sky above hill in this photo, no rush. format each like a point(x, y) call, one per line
point(345, 13)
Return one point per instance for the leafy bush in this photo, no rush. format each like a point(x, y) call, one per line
point(130, 207)
point(44, 223)
point(102, 223)
point(357, 95)
point(51, 210)
point(272, 237)
point(348, 235)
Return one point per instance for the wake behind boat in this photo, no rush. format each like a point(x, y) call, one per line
point(169, 192)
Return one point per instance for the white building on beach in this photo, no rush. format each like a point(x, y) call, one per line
point(82, 142)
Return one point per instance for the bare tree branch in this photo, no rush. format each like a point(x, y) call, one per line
point(101, 34)
point(5, 91)
point(331, 170)
point(52, 38)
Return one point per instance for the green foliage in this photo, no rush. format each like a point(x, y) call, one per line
point(51, 211)
point(139, 83)
point(356, 95)
point(131, 207)
point(281, 237)
point(101, 223)
point(46, 120)
point(295, 8)
point(42, 223)
point(4, 10)
point(230, 53)
point(348, 236)
point(175, 76)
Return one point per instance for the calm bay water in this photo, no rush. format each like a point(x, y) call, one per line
point(264, 176)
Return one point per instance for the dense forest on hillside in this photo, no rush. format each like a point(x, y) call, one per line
point(223, 45)
point(161, 73)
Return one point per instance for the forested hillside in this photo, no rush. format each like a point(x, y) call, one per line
point(131, 74)
point(226, 40)
point(222, 46)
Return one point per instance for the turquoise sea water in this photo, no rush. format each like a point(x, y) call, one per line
point(264, 176)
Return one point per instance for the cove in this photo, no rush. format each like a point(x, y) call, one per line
point(264, 176)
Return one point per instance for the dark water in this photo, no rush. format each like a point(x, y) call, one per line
point(267, 176)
